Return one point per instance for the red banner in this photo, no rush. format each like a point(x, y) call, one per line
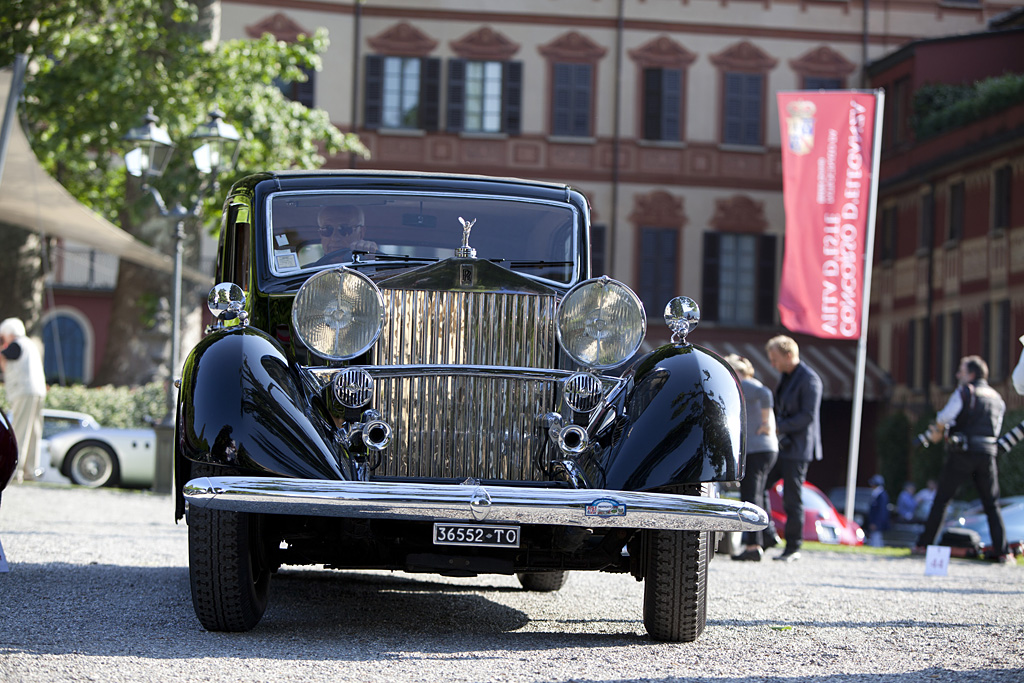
point(826, 181)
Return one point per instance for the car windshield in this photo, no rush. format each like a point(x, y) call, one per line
point(312, 230)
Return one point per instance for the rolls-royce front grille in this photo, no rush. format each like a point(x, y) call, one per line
point(468, 328)
point(458, 422)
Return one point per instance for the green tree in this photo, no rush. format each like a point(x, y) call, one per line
point(95, 68)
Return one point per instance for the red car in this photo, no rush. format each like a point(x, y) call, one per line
point(822, 522)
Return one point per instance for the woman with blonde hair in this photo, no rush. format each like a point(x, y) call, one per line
point(762, 451)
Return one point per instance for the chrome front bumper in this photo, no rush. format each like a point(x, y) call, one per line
point(473, 503)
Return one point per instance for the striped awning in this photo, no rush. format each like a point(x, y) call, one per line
point(834, 361)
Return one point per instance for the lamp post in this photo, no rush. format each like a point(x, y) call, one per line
point(148, 159)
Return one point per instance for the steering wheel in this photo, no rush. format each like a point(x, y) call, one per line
point(334, 257)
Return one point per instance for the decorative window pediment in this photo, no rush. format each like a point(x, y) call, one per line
point(739, 213)
point(744, 56)
point(485, 44)
point(403, 40)
point(663, 53)
point(279, 25)
point(823, 62)
point(573, 47)
point(658, 209)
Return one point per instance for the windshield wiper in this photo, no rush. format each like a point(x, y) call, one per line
point(538, 264)
point(388, 257)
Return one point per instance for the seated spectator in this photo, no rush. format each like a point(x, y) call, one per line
point(924, 499)
point(905, 503)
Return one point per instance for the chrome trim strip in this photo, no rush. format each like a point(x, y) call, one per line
point(468, 502)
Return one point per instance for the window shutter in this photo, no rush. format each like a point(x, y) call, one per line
point(751, 134)
point(742, 109)
point(657, 268)
point(512, 97)
point(766, 280)
point(374, 98)
point(456, 95)
point(430, 94)
point(671, 103)
point(733, 109)
point(581, 100)
point(561, 99)
point(304, 91)
point(712, 266)
point(652, 104)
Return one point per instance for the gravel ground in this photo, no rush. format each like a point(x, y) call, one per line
point(98, 591)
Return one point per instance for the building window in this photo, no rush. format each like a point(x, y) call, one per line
point(819, 83)
point(64, 350)
point(571, 100)
point(887, 238)
point(926, 229)
point(956, 326)
point(914, 357)
point(1001, 197)
point(402, 92)
point(742, 109)
point(484, 96)
point(663, 104)
point(957, 213)
point(896, 116)
point(739, 279)
point(1000, 366)
point(299, 91)
point(658, 267)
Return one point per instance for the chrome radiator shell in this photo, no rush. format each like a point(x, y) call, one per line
point(463, 379)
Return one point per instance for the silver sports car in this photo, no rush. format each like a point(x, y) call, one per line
point(91, 455)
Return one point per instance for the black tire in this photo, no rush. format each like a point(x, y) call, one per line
point(675, 584)
point(92, 464)
point(229, 568)
point(542, 582)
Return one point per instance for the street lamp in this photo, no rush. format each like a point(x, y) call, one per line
point(217, 151)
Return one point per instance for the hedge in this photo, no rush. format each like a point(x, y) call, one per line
point(901, 459)
point(122, 407)
point(940, 107)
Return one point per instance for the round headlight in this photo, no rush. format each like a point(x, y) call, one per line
point(338, 314)
point(601, 323)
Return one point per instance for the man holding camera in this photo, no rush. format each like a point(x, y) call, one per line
point(973, 415)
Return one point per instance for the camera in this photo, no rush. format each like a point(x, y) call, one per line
point(929, 436)
point(957, 443)
point(1011, 438)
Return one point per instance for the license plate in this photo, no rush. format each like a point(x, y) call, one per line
point(482, 535)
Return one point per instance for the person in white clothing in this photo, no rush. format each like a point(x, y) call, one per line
point(22, 365)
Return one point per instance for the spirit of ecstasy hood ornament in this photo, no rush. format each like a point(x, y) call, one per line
point(466, 251)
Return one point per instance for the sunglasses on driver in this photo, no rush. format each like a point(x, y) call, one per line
point(343, 230)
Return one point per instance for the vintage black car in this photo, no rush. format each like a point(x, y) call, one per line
point(436, 397)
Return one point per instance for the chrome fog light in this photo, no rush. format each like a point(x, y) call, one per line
point(338, 314)
point(601, 323)
point(583, 392)
point(353, 387)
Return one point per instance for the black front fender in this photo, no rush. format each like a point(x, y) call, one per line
point(684, 423)
point(243, 405)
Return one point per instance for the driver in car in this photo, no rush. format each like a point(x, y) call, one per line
point(342, 229)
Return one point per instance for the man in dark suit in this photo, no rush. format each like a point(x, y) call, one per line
point(798, 424)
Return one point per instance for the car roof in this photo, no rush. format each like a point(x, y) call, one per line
point(67, 414)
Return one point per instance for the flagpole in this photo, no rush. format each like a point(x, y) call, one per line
point(862, 342)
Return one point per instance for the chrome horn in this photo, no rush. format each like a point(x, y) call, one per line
point(571, 439)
